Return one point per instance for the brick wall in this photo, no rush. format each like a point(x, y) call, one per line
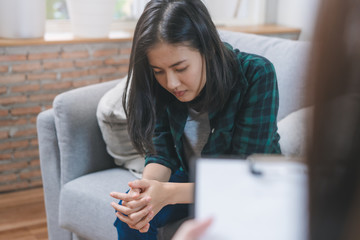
point(30, 78)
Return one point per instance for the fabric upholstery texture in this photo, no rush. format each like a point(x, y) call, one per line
point(293, 130)
point(112, 122)
point(81, 144)
point(86, 201)
point(49, 156)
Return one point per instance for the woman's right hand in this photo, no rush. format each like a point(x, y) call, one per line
point(134, 208)
point(137, 207)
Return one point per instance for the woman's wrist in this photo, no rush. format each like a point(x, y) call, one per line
point(154, 171)
point(179, 193)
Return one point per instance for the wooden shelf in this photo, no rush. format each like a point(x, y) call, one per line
point(270, 30)
point(262, 29)
point(116, 36)
point(65, 38)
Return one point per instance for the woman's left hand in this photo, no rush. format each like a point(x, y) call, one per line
point(152, 198)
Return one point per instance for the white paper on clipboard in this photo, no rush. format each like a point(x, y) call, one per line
point(244, 205)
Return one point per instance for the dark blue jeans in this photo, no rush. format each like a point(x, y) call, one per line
point(168, 214)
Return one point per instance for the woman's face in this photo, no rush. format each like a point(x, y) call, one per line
point(179, 69)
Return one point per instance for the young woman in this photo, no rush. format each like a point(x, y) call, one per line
point(190, 94)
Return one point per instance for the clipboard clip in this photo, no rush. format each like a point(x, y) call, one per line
point(276, 165)
point(253, 170)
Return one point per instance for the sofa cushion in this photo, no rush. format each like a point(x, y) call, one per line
point(294, 131)
point(112, 122)
point(85, 203)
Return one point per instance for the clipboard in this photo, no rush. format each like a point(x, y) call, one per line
point(257, 198)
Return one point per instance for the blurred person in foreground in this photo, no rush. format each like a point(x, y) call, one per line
point(334, 152)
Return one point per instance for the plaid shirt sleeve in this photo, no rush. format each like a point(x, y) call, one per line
point(164, 145)
point(256, 120)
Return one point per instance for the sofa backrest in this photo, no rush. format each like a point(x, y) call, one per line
point(290, 59)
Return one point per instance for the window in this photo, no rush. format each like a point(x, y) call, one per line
point(56, 9)
point(225, 12)
point(124, 9)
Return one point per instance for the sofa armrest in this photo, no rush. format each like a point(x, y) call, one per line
point(50, 173)
point(82, 148)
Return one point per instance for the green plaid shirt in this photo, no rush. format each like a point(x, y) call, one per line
point(246, 125)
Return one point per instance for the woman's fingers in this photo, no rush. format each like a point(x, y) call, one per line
point(139, 184)
point(125, 196)
point(145, 228)
point(132, 206)
point(136, 217)
point(122, 209)
point(145, 220)
point(139, 203)
point(146, 214)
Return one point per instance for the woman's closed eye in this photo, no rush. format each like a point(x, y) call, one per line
point(157, 72)
point(181, 69)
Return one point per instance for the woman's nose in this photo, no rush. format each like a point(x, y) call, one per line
point(172, 81)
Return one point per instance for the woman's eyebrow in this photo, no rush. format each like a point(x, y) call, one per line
point(173, 65)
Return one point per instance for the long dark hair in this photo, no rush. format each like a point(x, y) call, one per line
point(334, 155)
point(182, 22)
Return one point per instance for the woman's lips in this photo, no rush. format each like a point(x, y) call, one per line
point(179, 93)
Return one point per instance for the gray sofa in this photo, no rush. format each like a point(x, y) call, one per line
point(77, 172)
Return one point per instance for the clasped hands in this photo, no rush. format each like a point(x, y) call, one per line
point(139, 206)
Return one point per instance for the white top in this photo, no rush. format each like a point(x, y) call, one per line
point(196, 133)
